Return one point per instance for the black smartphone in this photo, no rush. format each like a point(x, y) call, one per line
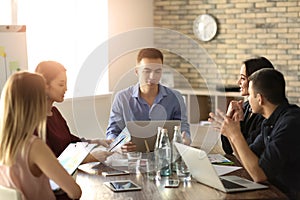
point(172, 183)
point(122, 185)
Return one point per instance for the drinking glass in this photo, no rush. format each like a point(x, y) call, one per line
point(134, 159)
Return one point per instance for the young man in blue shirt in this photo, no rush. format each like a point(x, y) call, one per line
point(274, 155)
point(147, 100)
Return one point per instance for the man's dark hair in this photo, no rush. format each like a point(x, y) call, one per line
point(270, 84)
point(254, 64)
point(150, 53)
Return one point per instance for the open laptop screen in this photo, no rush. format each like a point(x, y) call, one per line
point(144, 132)
point(203, 171)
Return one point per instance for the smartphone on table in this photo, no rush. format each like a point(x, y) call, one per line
point(172, 183)
point(122, 185)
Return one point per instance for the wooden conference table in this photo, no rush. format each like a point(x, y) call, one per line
point(93, 188)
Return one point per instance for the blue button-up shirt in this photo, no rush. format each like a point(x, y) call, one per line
point(129, 106)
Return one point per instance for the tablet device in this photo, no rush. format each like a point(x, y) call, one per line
point(122, 185)
point(143, 133)
point(71, 158)
point(119, 141)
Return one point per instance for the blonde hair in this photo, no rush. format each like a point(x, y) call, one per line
point(23, 111)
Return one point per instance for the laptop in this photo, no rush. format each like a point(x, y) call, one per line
point(203, 171)
point(143, 133)
point(72, 157)
point(205, 137)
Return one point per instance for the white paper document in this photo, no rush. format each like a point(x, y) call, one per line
point(218, 159)
point(221, 169)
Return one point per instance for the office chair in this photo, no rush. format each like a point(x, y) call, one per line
point(9, 193)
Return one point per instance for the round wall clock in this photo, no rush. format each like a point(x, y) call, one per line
point(205, 27)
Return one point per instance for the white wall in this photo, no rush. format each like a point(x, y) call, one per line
point(125, 17)
point(88, 116)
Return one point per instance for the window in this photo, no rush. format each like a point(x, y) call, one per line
point(66, 31)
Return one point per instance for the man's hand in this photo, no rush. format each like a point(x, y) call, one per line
point(129, 146)
point(216, 120)
point(228, 126)
point(225, 124)
point(186, 138)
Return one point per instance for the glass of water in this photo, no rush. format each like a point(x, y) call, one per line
point(182, 171)
point(134, 159)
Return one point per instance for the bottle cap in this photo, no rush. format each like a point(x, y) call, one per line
point(164, 130)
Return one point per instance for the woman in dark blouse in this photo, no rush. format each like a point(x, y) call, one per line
point(58, 133)
point(250, 122)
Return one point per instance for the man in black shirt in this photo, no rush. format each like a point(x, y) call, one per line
point(274, 156)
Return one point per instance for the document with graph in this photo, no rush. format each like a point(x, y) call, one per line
point(72, 157)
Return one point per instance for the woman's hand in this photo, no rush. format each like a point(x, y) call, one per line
point(102, 142)
point(235, 110)
point(100, 155)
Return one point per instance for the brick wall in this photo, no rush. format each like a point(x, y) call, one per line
point(246, 28)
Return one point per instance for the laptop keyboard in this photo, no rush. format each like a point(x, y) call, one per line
point(231, 185)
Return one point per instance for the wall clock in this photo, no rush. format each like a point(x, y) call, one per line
point(205, 27)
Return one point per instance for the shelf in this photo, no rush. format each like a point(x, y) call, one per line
point(200, 102)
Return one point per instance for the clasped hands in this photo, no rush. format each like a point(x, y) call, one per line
point(228, 124)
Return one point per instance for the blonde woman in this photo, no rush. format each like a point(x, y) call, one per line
point(26, 162)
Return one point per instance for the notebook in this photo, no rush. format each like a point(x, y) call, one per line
point(72, 157)
point(203, 171)
point(143, 133)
